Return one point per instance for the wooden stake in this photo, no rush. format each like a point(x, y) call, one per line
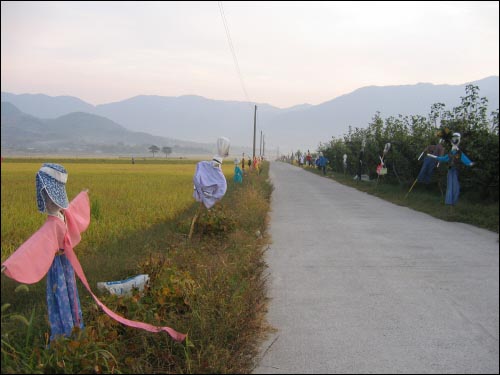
point(411, 187)
point(194, 221)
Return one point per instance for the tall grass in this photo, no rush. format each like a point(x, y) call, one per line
point(210, 287)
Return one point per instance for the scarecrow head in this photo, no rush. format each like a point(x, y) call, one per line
point(51, 187)
point(455, 140)
point(222, 151)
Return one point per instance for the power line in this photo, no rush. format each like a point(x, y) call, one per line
point(231, 47)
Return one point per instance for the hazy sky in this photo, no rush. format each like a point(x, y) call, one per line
point(288, 53)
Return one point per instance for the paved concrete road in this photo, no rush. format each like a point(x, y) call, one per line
point(360, 285)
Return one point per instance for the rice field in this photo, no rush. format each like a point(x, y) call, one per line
point(124, 198)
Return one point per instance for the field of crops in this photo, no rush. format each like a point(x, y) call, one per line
point(124, 198)
point(210, 287)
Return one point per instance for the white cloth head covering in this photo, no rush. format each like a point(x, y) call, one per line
point(223, 146)
point(455, 140)
point(222, 150)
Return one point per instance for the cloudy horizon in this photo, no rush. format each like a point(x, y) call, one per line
point(287, 53)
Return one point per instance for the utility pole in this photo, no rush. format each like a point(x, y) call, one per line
point(263, 145)
point(260, 150)
point(254, 129)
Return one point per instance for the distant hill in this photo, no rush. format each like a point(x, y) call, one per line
point(44, 106)
point(304, 126)
point(80, 132)
point(188, 117)
point(18, 127)
point(332, 118)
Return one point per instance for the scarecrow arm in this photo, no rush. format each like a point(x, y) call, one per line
point(31, 261)
point(464, 159)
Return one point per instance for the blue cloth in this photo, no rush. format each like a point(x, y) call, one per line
point(63, 301)
point(452, 184)
point(452, 187)
point(322, 161)
point(238, 174)
point(427, 170)
point(209, 183)
point(446, 158)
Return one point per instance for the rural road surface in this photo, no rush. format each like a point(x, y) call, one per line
point(360, 285)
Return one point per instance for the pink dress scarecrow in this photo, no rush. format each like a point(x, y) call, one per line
point(49, 251)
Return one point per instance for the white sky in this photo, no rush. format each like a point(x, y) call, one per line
point(288, 53)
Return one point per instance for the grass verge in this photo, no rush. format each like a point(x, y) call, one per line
point(428, 199)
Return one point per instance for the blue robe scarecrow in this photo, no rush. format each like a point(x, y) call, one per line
point(454, 158)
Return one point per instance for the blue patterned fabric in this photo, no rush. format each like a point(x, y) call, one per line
point(55, 188)
point(63, 301)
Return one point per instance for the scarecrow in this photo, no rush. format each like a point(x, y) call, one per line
point(454, 158)
point(243, 162)
point(256, 164)
point(238, 174)
point(49, 251)
point(209, 182)
point(360, 160)
point(429, 164)
point(381, 168)
point(321, 162)
point(309, 158)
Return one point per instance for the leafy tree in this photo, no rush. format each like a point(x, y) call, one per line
point(479, 142)
point(410, 135)
point(154, 149)
point(166, 150)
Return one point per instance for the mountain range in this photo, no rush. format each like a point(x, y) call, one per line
point(79, 133)
point(199, 121)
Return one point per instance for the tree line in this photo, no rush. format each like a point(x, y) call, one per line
point(154, 149)
point(410, 135)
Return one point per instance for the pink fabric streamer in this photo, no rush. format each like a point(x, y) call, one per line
point(32, 260)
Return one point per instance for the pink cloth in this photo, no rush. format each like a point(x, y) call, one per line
point(32, 260)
